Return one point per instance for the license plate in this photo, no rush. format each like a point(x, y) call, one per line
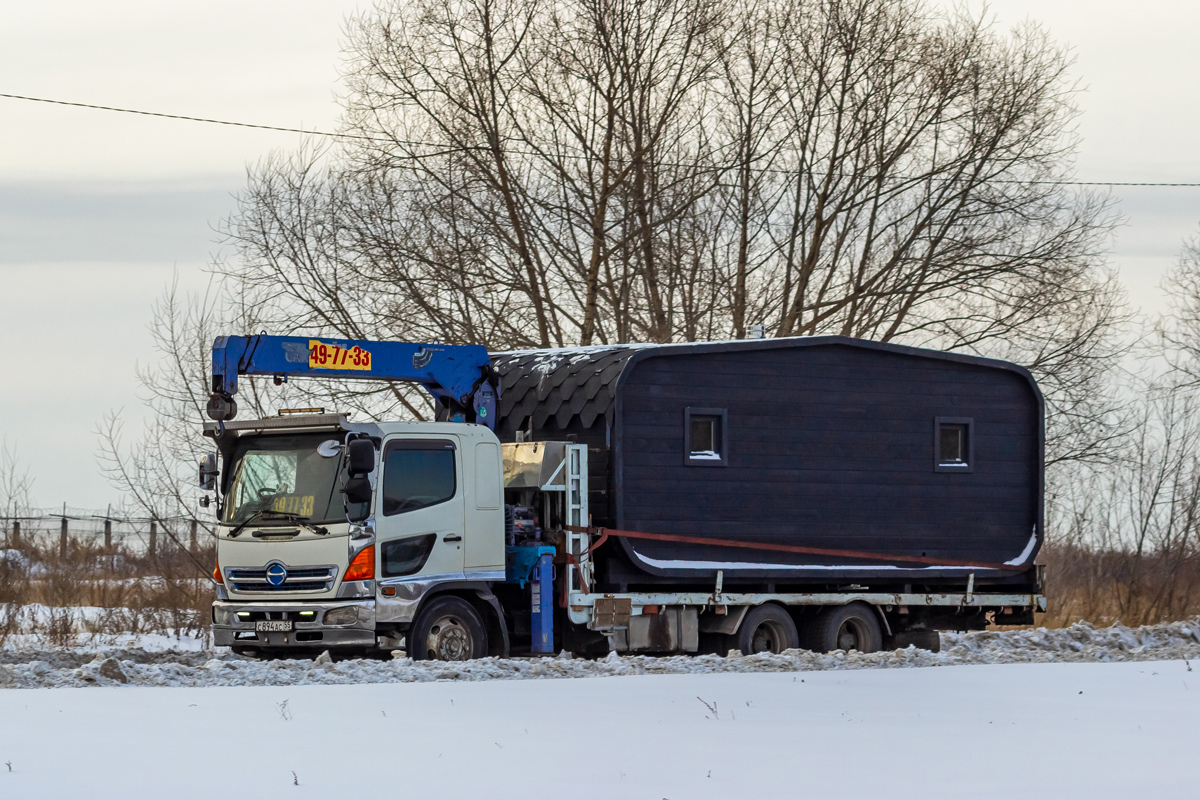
point(273, 625)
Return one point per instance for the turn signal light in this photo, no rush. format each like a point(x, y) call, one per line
point(217, 574)
point(362, 568)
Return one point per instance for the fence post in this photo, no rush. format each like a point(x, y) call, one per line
point(108, 535)
point(62, 539)
point(16, 539)
point(192, 540)
point(153, 538)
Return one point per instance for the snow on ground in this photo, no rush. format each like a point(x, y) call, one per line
point(161, 661)
point(22, 647)
point(1094, 730)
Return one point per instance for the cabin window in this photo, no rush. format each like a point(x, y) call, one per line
point(705, 443)
point(953, 444)
point(406, 556)
point(417, 474)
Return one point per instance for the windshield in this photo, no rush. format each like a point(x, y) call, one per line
point(286, 474)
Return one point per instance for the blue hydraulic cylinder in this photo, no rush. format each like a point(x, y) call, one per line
point(541, 589)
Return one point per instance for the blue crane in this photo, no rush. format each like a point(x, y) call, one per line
point(460, 378)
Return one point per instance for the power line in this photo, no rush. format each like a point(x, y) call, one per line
point(1101, 183)
point(189, 119)
point(231, 123)
point(361, 137)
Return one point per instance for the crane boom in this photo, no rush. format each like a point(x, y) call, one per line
point(459, 377)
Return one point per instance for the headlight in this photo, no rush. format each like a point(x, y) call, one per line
point(222, 616)
point(341, 616)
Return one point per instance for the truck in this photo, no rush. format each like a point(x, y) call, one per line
point(755, 495)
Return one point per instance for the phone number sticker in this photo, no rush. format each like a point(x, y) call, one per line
point(294, 504)
point(323, 355)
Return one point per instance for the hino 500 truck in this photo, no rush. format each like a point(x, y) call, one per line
point(818, 492)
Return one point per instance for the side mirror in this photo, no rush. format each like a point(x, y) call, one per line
point(358, 498)
point(208, 472)
point(358, 489)
point(361, 453)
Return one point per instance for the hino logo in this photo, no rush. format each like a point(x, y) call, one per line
point(276, 574)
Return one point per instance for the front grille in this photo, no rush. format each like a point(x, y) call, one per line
point(298, 579)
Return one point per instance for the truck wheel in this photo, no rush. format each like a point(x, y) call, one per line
point(766, 629)
point(448, 629)
point(853, 626)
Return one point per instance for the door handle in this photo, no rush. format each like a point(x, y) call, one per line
point(451, 537)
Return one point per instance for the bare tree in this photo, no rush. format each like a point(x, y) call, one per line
point(596, 171)
point(1127, 532)
point(157, 472)
point(15, 485)
point(1180, 327)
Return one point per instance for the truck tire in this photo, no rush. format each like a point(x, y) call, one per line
point(766, 629)
point(448, 629)
point(854, 626)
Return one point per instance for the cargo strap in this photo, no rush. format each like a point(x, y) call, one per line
point(604, 533)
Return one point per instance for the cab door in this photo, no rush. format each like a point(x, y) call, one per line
point(419, 521)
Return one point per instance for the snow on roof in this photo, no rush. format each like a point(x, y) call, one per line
point(559, 383)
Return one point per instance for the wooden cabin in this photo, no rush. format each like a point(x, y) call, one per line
point(818, 443)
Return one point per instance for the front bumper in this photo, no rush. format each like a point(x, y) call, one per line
point(234, 624)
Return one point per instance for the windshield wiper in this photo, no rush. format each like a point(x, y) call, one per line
point(299, 520)
point(267, 514)
point(233, 534)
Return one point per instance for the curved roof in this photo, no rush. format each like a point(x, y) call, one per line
point(560, 384)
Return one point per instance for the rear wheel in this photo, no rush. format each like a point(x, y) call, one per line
point(766, 629)
point(854, 626)
point(448, 629)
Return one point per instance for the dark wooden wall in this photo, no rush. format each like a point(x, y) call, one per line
point(830, 446)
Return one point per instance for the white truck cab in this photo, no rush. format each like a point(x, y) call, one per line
point(301, 566)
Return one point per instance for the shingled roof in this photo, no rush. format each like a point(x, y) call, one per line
point(559, 384)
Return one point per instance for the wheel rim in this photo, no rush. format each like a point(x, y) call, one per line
point(768, 637)
point(449, 640)
point(851, 635)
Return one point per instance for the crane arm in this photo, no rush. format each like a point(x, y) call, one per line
point(460, 377)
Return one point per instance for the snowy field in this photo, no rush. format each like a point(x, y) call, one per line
point(1077, 712)
point(1087, 730)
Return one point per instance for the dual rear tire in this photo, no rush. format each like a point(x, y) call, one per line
point(769, 628)
point(766, 629)
point(450, 629)
point(854, 626)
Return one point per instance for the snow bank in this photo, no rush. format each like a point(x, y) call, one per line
point(185, 665)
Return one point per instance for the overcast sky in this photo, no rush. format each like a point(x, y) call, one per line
point(98, 211)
